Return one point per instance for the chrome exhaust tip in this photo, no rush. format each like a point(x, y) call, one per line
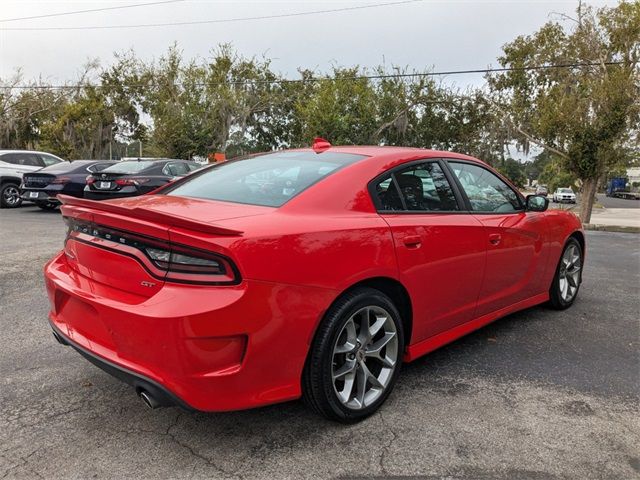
point(148, 400)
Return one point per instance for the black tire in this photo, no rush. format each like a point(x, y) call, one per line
point(46, 206)
point(317, 383)
point(8, 198)
point(556, 299)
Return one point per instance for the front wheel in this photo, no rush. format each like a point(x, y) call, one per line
point(10, 196)
point(568, 277)
point(355, 357)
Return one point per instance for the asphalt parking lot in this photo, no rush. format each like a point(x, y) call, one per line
point(540, 394)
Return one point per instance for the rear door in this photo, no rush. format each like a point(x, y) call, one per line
point(440, 247)
point(516, 255)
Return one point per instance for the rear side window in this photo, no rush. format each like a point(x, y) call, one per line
point(98, 167)
point(175, 169)
point(269, 180)
point(49, 159)
point(419, 188)
point(485, 190)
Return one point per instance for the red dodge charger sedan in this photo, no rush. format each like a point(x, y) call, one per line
point(309, 273)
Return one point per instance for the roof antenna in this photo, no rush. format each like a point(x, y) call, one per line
point(320, 145)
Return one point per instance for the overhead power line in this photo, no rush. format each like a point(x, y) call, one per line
point(221, 20)
point(322, 79)
point(77, 12)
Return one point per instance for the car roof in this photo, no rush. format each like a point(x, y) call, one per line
point(142, 159)
point(153, 160)
point(70, 166)
point(77, 162)
point(380, 151)
point(2, 152)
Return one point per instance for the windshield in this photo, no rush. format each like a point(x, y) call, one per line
point(566, 190)
point(128, 167)
point(268, 180)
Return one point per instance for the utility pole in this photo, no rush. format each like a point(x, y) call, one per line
point(140, 151)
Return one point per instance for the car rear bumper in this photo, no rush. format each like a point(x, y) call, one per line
point(40, 196)
point(209, 348)
point(140, 383)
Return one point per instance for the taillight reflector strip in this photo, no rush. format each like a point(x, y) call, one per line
point(179, 263)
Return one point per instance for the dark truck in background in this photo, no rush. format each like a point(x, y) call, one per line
point(617, 188)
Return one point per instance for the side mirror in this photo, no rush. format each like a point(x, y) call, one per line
point(536, 203)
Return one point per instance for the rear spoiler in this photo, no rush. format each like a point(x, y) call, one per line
point(150, 215)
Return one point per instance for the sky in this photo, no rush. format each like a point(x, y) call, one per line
point(426, 34)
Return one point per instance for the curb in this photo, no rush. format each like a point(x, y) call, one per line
point(610, 228)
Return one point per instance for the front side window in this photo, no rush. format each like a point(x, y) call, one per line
point(423, 187)
point(269, 180)
point(485, 190)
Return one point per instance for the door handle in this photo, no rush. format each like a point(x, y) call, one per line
point(495, 238)
point(412, 241)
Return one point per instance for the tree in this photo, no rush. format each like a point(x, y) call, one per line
point(555, 177)
point(587, 115)
point(341, 108)
point(514, 171)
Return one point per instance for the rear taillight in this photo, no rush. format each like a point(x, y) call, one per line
point(176, 261)
point(90, 180)
point(173, 262)
point(60, 180)
point(131, 181)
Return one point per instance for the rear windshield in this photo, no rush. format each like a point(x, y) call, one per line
point(66, 167)
point(133, 166)
point(269, 180)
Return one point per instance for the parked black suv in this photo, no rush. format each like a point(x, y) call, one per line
point(43, 186)
point(135, 177)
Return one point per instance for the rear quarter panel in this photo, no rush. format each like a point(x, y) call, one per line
point(315, 251)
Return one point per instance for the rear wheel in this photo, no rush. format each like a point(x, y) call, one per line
point(568, 278)
point(355, 357)
point(10, 195)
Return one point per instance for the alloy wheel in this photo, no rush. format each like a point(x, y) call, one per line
point(364, 358)
point(569, 274)
point(11, 196)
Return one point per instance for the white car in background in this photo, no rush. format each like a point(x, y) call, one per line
point(13, 163)
point(562, 195)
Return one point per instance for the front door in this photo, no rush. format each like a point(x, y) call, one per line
point(516, 251)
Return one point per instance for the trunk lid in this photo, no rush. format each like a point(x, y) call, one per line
point(200, 210)
point(37, 180)
point(108, 240)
